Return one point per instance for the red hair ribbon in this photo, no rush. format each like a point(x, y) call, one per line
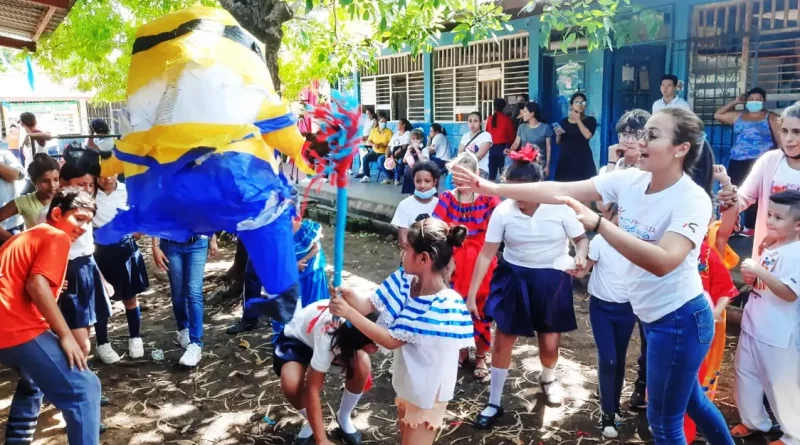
point(528, 153)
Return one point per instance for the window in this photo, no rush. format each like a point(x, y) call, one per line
point(395, 86)
point(467, 79)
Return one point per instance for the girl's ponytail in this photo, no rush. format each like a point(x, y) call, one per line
point(456, 235)
point(346, 341)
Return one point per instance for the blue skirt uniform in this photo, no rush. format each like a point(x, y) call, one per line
point(84, 301)
point(123, 267)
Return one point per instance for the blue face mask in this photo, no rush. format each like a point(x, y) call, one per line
point(425, 195)
point(754, 106)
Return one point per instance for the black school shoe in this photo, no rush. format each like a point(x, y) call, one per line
point(487, 422)
point(242, 326)
point(349, 439)
point(639, 396)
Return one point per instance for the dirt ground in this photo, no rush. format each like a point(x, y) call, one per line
point(233, 397)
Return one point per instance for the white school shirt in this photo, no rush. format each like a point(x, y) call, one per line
point(109, 204)
point(676, 102)
point(537, 241)
point(484, 137)
point(786, 178)
point(318, 339)
point(8, 190)
point(84, 245)
point(683, 208)
point(410, 209)
point(607, 281)
point(768, 318)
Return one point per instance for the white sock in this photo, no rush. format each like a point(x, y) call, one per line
point(499, 376)
point(548, 374)
point(306, 431)
point(346, 407)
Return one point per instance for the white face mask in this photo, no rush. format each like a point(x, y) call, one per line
point(105, 144)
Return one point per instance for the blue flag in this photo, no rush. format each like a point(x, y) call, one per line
point(29, 65)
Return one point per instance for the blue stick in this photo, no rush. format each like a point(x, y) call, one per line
point(338, 240)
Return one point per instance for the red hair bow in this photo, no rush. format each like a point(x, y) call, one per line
point(528, 153)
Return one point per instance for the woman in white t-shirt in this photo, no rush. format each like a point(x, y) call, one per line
point(530, 292)
point(439, 146)
point(424, 322)
point(304, 353)
point(421, 204)
point(478, 142)
point(663, 218)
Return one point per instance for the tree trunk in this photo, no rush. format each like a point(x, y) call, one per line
point(264, 19)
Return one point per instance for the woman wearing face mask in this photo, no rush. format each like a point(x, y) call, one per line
point(663, 219)
point(422, 203)
point(576, 161)
point(378, 141)
point(477, 142)
point(755, 131)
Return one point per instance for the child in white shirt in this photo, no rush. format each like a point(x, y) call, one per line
point(768, 355)
point(426, 324)
point(421, 204)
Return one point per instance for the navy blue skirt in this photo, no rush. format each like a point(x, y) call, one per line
point(289, 349)
point(84, 299)
point(524, 301)
point(123, 267)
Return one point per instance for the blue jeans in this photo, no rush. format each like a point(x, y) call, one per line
point(43, 370)
point(612, 326)
point(187, 262)
point(252, 289)
point(676, 346)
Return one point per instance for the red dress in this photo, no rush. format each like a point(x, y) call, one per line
point(475, 216)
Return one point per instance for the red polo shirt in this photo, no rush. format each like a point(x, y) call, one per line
point(503, 132)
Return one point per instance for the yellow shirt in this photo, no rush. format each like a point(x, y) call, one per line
point(380, 139)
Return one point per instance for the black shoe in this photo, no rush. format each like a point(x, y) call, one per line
point(104, 400)
point(359, 176)
point(639, 396)
point(103, 428)
point(349, 439)
point(487, 422)
point(608, 426)
point(242, 326)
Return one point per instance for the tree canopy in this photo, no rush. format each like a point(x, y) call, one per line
point(305, 40)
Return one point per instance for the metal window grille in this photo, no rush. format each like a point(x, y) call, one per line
point(109, 112)
point(395, 85)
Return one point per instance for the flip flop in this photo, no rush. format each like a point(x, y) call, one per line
point(741, 431)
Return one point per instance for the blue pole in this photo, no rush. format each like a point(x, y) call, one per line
point(338, 240)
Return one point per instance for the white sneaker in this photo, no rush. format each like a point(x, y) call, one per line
point(106, 354)
point(135, 347)
point(183, 338)
point(192, 355)
point(366, 179)
point(554, 392)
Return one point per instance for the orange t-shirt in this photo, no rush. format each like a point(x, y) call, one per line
point(42, 250)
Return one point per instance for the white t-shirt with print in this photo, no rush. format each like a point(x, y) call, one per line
point(767, 318)
point(786, 178)
point(534, 241)
point(400, 139)
point(440, 147)
point(683, 208)
point(318, 338)
point(409, 209)
point(479, 140)
point(608, 277)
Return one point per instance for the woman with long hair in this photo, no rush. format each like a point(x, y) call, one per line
point(576, 161)
point(501, 129)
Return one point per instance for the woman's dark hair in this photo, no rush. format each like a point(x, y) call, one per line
point(41, 164)
point(525, 98)
point(99, 126)
point(346, 341)
point(524, 171)
point(369, 111)
point(439, 129)
point(499, 106)
point(632, 120)
point(427, 166)
point(406, 124)
point(437, 239)
point(382, 115)
point(535, 110)
point(757, 90)
point(476, 113)
point(576, 95)
point(71, 198)
point(688, 128)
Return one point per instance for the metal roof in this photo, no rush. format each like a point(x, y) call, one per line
point(22, 22)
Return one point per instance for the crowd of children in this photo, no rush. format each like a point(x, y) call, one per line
point(657, 257)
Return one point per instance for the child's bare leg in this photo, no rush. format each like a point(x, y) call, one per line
point(293, 376)
point(418, 436)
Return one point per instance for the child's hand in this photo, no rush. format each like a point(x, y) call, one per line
point(727, 198)
point(340, 308)
point(750, 271)
point(301, 265)
point(64, 286)
point(718, 312)
point(720, 174)
point(213, 248)
point(160, 259)
point(472, 307)
point(74, 353)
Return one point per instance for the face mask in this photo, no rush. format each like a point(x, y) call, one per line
point(382, 125)
point(105, 144)
point(754, 106)
point(425, 195)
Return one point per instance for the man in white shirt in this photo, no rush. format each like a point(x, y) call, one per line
point(669, 92)
point(11, 171)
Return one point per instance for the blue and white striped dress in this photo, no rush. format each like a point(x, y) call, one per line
point(434, 327)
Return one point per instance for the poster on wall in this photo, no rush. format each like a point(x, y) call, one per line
point(54, 117)
point(570, 78)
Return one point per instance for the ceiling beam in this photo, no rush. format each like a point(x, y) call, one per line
point(17, 44)
point(61, 4)
point(43, 22)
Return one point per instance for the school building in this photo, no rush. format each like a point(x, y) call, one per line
point(717, 49)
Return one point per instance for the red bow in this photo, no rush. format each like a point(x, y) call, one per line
point(528, 153)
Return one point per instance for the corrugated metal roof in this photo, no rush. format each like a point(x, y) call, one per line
point(22, 22)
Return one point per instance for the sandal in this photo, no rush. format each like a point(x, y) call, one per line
point(481, 372)
point(741, 431)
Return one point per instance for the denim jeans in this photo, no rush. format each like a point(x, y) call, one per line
point(612, 326)
point(187, 262)
point(642, 362)
point(676, 346)
point(43, 370)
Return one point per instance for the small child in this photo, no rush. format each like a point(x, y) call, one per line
point(416, 152)
point(426, 324)
point(425, 176)
point(304, 352)
point(768, 354)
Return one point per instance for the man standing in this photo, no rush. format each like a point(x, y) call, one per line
point(11, 171)
point(34, 338)
point(34, 137)
point(669, 93)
